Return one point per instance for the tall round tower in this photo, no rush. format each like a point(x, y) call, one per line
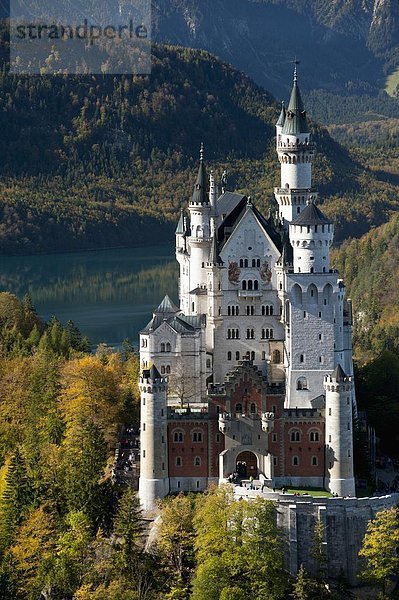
point(339, 475)
point(295, 153)
point(154, 480)
point(311, 236)
point(200, 234)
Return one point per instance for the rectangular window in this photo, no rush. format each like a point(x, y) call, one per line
point(163, 466)
point(329, 439)
point(329, 412)
point(143, 426)
point(275, 461)
point(274, 437)
point(143, 453)
point(178, 484)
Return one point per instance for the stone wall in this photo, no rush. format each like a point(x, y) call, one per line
point(345, 521)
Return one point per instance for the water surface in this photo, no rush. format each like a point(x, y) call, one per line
point(109, 294)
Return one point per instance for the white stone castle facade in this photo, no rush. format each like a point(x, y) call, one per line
point(255, 364)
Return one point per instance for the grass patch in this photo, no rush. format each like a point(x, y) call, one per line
point(315, 492)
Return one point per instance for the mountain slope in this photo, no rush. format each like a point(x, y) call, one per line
point(102, 161)
point(347, 47)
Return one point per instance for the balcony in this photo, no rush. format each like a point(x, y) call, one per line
point(250, 293)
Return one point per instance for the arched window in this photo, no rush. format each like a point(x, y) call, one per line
point(253, 262)
point(163, 370)
point(297, 294)
point(197, 436)
point(301, 358)
point(295, 435)
point(314, 436)
point(295, 461)
point(246, 263)
point(229, 356)
point(197, 461)
point(313, 295)
point(276, 357)
point(244, 285)
point(239, 408)
point(208, 363)
point(252, 355)
point(250, 284)
point(302, 383)
point(178, 437)
point(168, 369)
point(237, 355)
point(168, 347)
point(253, 408)
point(314, 461)
point(241, 263)
point(162, 347)
point(327, 294)
point(179, 461)
point(256, 284)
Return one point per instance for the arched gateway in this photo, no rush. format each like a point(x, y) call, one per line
point(247, 465)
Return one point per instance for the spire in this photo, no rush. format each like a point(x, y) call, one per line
point(214, 258)
point(180, 229)
point(339, 374)
point(296, 121)
point(212, 192)
point(281, 119)
point(166, 307)
point(200, 188)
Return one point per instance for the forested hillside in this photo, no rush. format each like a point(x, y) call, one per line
point(101, 161)
point(370, 267)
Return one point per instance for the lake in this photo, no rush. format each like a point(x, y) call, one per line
point(109, 294)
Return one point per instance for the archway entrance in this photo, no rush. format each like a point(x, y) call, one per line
point(247, 465)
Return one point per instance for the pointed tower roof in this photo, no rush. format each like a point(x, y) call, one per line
point(312, 215)
point(200, 194)
point(167, 307)
point(339, 374)
point(214, 258)
point(296, 121)
point(281, 119)
point(180, 230)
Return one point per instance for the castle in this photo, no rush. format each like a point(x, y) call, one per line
point(252, 372)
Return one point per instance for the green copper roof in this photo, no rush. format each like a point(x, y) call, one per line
point(166, 307)
point(281, 119)
point(200, 195)
point(296, 121)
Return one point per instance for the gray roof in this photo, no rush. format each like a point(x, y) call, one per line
point(200, 194)
point(152, 373)
point(227, 202)
point(339, 374)
point(281, 119)
point(180, 225)
point(179, 323)
point(312, 215)
point(295, 121)
point(214, 258)
point(166, 307)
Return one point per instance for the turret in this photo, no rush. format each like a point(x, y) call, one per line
point(339, 476)
point(200, 235)
point(154, 480)
point(311, 236)
point(295, 153)
point(180, 233)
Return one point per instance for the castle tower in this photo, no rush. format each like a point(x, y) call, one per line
point(311, 236)
point(154, 481)
point(339, 476)
point(214, 284)
point(295, 154)
point(200, 235)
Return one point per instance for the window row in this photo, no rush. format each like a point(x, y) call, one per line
point(179, 461)
point(165, 370)
point(296, 435)
point(276, 356)
point(239, 410)
point(244, 262)
point(233, 333)
point(250, 284)
point(314, 461)
point(266, 310)
point(178, 436)
point(165, 347)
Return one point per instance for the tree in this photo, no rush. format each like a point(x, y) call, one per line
point(380, 548)
point(182, 386)
point(305, 588)
point(17, 497)
point(128, 530)
point(175, 543)
point(33, 549)
point(318, 551)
